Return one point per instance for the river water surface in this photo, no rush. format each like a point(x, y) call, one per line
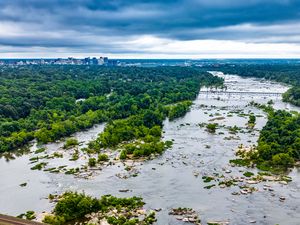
point(174, 179)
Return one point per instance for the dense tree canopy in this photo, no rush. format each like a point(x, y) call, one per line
point(279, 141)
point(178, 109)
point(72, 206)
point(278, 145)
point(50, 102)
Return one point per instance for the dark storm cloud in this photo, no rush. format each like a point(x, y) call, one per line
point(87, 23)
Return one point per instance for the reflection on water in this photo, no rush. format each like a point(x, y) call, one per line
point(169, 181)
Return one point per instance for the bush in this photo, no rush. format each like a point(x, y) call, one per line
point(30, 215)
point(40, 150)
point(102, 158)
point(211, 127)
point(54, 220)
point(155, 131)
point(123, 155)
point(252, 119)
point(73, 205)
point(70, 143)
point(92, 162)
point(248, 174)
point(282, 159)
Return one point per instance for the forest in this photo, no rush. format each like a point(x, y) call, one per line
point(279, 141)
point(51, 102)
point(278, 144)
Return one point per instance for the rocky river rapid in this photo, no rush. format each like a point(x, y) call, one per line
point(174, 179)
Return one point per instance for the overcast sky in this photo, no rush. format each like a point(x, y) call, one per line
point(150, 29)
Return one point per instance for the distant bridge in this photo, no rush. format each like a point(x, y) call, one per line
point(242, 93)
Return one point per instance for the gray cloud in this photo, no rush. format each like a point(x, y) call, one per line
point(89, 25)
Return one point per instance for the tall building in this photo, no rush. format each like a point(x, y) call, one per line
point(101, 61)
point(94, 61)
point(86, 61)
point(105, 59)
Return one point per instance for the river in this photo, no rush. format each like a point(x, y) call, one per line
point(174, 179)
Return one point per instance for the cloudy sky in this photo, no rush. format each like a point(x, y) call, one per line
point(150, 29)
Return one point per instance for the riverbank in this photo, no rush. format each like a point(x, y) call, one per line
point(175, 179)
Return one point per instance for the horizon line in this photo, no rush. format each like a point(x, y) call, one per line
point(141, 58)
